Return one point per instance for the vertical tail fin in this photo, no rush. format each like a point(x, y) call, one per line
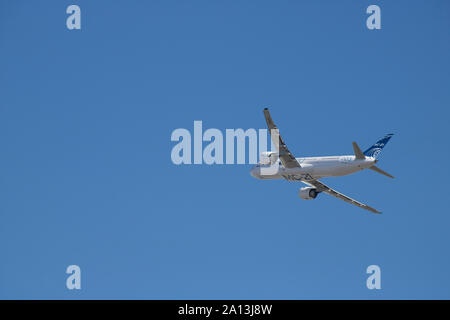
point(375, 150)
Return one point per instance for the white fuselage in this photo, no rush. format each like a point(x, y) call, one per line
point(313, 168)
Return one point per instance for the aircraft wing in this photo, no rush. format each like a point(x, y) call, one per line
point(324, 188)
point(286, 157)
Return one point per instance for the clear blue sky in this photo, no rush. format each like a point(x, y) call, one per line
point(86, 176)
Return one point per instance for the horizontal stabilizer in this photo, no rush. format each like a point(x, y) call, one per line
point(358, 152)
point(376, 169)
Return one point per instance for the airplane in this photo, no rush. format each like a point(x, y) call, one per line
point(309, 170)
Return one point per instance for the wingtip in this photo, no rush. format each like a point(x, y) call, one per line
point(374, 210)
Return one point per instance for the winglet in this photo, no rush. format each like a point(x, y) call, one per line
point(358, 152)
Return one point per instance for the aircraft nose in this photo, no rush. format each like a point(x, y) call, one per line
point(253, 172)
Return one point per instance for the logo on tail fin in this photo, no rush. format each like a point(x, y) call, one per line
point(375, 150)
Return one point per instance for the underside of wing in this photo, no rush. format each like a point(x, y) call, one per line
point(324, 188)
point(286, 157)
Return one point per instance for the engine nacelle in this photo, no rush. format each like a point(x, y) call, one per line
point(268, 157)
point(308, 193)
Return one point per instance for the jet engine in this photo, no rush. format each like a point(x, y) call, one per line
point(308, 193)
